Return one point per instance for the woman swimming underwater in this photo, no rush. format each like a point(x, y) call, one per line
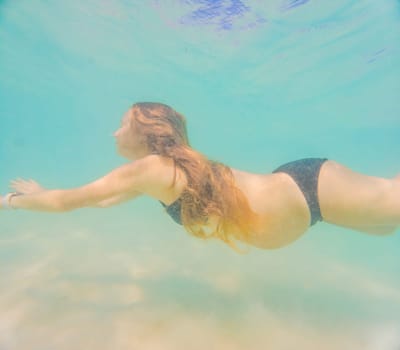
point(213, 200)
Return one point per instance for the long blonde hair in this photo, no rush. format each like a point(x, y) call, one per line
point(211, 191)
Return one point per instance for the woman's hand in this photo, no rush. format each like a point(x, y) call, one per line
point(26, 186)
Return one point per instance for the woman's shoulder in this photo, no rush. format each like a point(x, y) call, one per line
point(153, 163)
point(162, 179)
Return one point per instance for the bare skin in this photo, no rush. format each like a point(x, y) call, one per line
point(347, 199)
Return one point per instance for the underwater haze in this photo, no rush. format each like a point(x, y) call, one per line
point(261, 83)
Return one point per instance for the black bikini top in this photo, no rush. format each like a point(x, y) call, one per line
point(174, 210)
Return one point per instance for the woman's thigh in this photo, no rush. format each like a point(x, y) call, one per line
point(351, 199)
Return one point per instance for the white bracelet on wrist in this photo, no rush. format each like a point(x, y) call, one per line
point(6, 200)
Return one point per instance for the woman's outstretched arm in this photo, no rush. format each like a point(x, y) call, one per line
point(116, 200)
point(30, 186)
point(119, 185)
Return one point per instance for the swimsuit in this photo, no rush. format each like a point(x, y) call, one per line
point(174, 210)
point(304, 172)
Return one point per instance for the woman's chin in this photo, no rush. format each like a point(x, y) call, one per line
point(126, 155)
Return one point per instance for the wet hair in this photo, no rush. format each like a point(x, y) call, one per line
point(211, 191)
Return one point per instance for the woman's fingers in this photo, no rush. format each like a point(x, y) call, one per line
point(19, 186)
point(19, 182)
point(25, 186)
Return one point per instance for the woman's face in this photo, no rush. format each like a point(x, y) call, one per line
point(128, 144)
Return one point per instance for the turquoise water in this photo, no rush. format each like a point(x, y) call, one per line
point(260, 85)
